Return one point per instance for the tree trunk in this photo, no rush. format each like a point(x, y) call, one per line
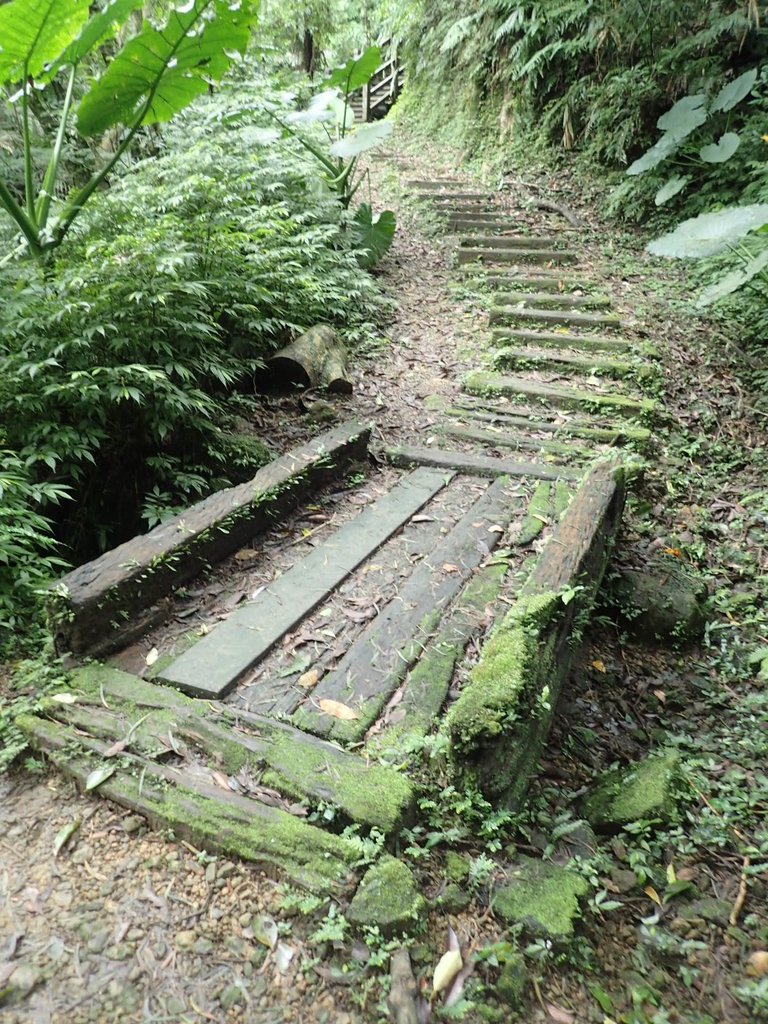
point(315, 358)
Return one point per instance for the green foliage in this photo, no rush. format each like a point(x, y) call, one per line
point(372, 235)
point(154, 76)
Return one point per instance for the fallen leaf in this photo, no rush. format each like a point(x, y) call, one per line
point(557, 1013)
point(283, 957)
point(674, 552)
point(221, 781)
point(337, 709)
point(98, 776)
point(246, 555)
point(651, 893)
point(671, 876)
point(117, 748)
point(64, 835)
point(450, 567)
point(422, 519)
point(660, 695)
point(599, 665)
point(264, 930)
point(757, 963)
point(495, 529)
point(309, 679)
point(448, 967)
point(64, 698)
point(152, 657)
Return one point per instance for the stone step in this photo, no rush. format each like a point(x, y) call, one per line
point(475, 465)
point(518, 441)
point(453, 194)
point(554, 317)
point(508, 242)
point(510, 358)
point(488, 383)
point(562, 426)
point(542, 279)
point(213, 665)
point(375, 665)
point(563, 339)
point(435, 184)
point(513, 255)
point(461, 224)
point(552, 300)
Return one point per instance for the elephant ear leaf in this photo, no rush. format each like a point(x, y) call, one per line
point(357, 72)
point(161, 71)
point(34, 32)
point(102, 26)
point(373, 236)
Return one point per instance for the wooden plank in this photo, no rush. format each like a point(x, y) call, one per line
point(552, 300)
point(516, 256)
point(108, 601)
point(555, 317)
point(545, 339)
point(476, 465)
point(201, 812)
point(567, 362)
point(519, 442)
point(112, 705)
point(483, 383)
point(617, 434)
point(212, 666)
point(377, 662)
point(508, 242)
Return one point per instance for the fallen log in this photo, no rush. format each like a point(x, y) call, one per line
point(315, 358)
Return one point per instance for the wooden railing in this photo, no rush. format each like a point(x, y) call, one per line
point(374, 99)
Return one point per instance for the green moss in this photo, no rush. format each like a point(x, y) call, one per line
point(456, 866)
point(510, 667)
point(512, 979)
point(538, 515)
point(542, 897)
point(643, 792)
point(388, 898)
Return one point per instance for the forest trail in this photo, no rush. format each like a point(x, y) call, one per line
point(295, 690)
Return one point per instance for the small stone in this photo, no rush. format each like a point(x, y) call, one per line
point(708, 908)
point(542, 897)
point(202, 946)
point(174, 1006)
point(643, 791)
point(511, 984)
point(98, 941)
point(663, 600)
point(24, 978)
point(210, 872)
point(453, 899)
point(133, 823)
point(185, 940)
point(623, 879)
point(244, 920)
point(322, 412)
point(82, 855)
point(387, 896)
point(231, 996)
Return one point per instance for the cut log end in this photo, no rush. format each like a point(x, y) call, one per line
point(316, 358)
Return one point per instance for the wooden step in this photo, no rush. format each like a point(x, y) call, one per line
point(376, 664)
point(513, 255)
point(554, 317)
point(213, 665)
point(508, 242)
point(518, 441)
point(483, 383)
point(510, 358)
point(562, 339)
point(552, 300)
point(570, 426)
point(436, 184)
point(542, 279)
point(474, 465)
point(451, 195)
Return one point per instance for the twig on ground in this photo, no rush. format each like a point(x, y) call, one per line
point(548, 204)
point(742, 893)
point(402, 996)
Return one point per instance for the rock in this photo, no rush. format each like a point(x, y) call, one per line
point(542, 897)
point(708, 908)
point(133, 823)
point(25, 977)
point(98, 941)
point(321, 412)
point(453, 899)
point(231, 996)
point(511, 984)
point(663, 601)
point(456, 866)
point(644, 791)
point(210, 872)
point(202, 946)
point(387, 897)
point(185, 940)
point(623, 879)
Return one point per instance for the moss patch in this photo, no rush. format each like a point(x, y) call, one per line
point(542, 897)
point(388, 898)
point(642, 792)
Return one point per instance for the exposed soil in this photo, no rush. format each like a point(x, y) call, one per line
point(125, 925)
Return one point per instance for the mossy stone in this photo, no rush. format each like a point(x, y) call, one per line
point(453, 899)
point(644, 791)
point(388, 898)
point(456, 866)
point(661, 601)
point(511, 984)
point(542, 897)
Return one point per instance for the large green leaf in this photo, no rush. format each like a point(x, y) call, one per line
point(34, 32)
point(733, 281)
point(672, 188)
point(372, 235)
point(665, 147)
point(735, 91)
point(719, 152)
point(102, 26)
point(710, 233)
point(362, 139)
point(685, 116)
point(356, 72)
point(160, 71)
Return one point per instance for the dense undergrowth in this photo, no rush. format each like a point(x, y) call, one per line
point(127, 357)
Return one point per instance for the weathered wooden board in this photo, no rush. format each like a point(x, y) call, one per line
point(519, 441)
point(477, 465)
point(513, 358)
point(564, 339)
point(114, 598)
point(552, 300)
point(516, 256)
point(555, 317)
point(375, 665)
point(571, 427)
point(213, 665)
point(477, 241)
point(554, 394)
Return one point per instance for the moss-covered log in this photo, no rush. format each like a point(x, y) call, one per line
point(316, 358)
